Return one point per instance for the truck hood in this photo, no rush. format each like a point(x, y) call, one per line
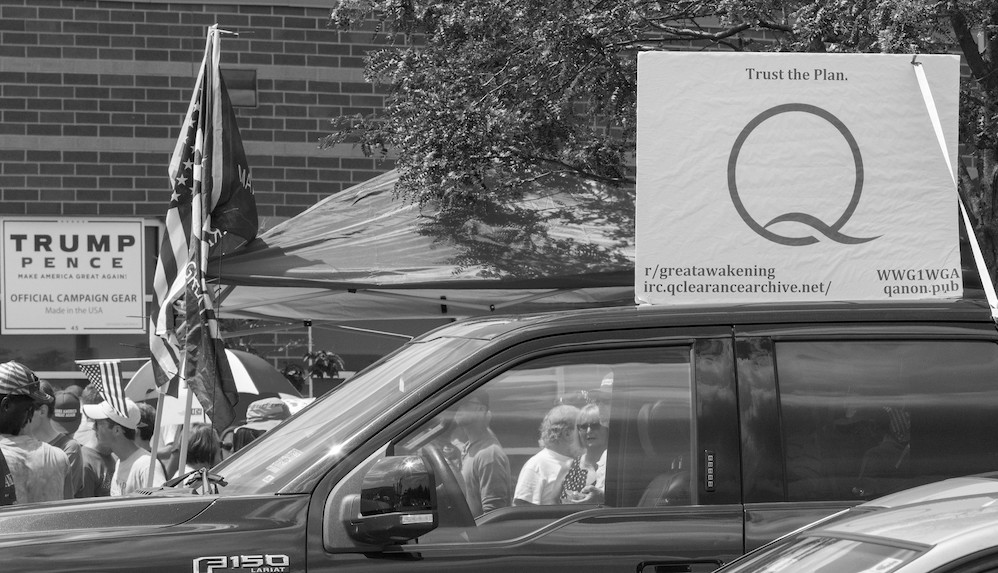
point(96, 517)
point(159, 532)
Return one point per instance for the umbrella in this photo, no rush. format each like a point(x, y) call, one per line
point(252, 374)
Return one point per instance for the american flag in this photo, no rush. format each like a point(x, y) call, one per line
point(208, 373)
point(105, 375)
point(208, 163)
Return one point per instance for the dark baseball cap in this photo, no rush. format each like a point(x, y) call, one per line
point(66, 414)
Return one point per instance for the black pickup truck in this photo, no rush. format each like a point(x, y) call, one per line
point(728, 426)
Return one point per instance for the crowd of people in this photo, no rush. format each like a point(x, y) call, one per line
point(569, 468)
point(72, 443)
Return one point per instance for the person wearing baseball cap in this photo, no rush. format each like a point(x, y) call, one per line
point(38, 471)
point(261, 415)
point(43, 427)
point(98, 461)
point(266, 413)
point(66, 412)
point(115, 428)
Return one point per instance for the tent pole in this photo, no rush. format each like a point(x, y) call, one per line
point(311, 359)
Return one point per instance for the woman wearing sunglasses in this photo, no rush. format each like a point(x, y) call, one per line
point(584, 482)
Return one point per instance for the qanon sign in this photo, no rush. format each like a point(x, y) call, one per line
point(833, 230)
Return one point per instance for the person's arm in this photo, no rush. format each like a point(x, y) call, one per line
point(493, 472)
point(527, 485)
point(7, 494)
point(159, 475)
point(68, 481)
point(75, 456)
point(89, 487)
point(173, 466)
point(601, 472)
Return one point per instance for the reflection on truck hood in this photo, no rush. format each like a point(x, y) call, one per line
point(155, 533)
point(95, 517)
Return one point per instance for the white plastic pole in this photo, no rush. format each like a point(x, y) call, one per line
point(982, 268)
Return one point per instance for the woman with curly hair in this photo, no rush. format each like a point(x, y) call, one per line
point(541, 478)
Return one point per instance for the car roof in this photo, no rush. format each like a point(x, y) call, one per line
point(649, 316)
point(980, 484)
point(944, 530)
point(930, 523)
point(945, 521)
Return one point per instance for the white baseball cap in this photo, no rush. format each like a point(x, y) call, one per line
point(104, 411)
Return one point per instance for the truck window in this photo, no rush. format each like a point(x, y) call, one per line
point(566, 432)
point(280, 458)
point(862, 419)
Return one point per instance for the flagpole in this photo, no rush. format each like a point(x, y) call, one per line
point(208, 172)
point(157, 434)
point(198, 218)
point(182, 462)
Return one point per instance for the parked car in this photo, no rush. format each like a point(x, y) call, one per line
point(727, 427)
point(949, 527)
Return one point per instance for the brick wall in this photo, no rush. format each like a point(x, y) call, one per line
point(92, 94)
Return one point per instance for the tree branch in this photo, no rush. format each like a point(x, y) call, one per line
point(982, 70)
point(698, 34)
point(574, 169)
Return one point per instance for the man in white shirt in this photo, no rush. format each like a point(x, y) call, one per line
point(116, 430)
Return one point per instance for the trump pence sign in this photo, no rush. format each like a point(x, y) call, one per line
point(792, 177)
point(72, 276)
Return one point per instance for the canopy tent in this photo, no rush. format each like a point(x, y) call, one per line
point(364, 254)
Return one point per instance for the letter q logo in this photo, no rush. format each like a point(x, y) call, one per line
point(831, 231)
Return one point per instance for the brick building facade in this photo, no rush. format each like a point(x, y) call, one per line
point(92, 95)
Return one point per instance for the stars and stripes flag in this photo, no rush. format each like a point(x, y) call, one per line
point(212, 211)
point(105, 376)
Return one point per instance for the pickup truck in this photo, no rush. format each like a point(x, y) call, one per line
point(728, 426)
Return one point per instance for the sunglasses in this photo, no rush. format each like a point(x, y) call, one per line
point(590, 426)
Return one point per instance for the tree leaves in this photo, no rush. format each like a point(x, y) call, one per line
point(482, 92)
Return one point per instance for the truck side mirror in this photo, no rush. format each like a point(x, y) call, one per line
point(397, 502)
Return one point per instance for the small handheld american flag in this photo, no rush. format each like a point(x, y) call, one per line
point(105, 375)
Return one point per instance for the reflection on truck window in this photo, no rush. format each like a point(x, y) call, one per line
point(315, 435)
point(863, 419)
point(560, 434)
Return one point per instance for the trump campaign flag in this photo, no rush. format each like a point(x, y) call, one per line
point(212, 211)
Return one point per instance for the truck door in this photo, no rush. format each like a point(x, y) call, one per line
point(834, 415)
point(664, 409)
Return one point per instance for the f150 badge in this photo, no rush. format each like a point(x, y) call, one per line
point(242, 564)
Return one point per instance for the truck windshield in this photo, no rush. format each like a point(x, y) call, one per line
point(312, 441)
